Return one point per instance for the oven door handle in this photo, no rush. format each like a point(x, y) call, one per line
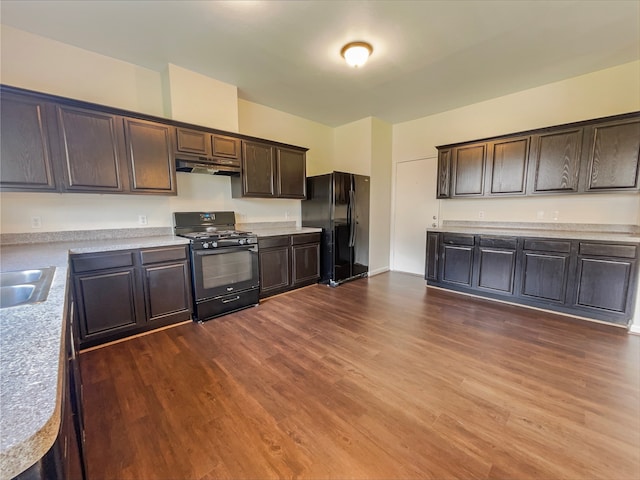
point(223, 250)
point(229, 300)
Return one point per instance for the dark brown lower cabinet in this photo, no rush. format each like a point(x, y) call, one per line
point(166, 277)
point(496, 269)
point(288, 262)
point(545, 269)
point(457, 259)
point(126, 292)
point(590, 279)
point(605, 277)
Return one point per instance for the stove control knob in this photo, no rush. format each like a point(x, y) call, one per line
point(205, 245)
point(214, 244)
point(242, 241)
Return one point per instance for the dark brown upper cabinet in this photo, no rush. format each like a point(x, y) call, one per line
point(469, 170)
point(258, 170)
point(612, 153)
point(444, 173)
point(291, 181)
point(223, 148)
point(25, 147)
point(90, 146)
point(270, 172)
point(193, 141)
point(507, 166)
point(554, 161)
point(150, 158)
point(600, 155)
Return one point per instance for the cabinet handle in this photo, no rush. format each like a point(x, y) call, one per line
point(231, 299)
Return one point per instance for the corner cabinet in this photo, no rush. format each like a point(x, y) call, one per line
point(270, 171)
point(591, 279)
point(288, 262)
point(601, 155)
point(122, 293)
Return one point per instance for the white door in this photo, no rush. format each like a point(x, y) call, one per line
point(416, 209)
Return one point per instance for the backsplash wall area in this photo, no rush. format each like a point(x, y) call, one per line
point(66, 212)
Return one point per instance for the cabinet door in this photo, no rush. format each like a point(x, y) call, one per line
point(613, 155)
point(444, 174)
point(150, 158)
point(554, 162)
point(26, 161)
point(275, 270)
point(90, 150)
point(606, 278)
point(305, 266)
point(226, 147)
point(457, 264)
point(432, 255)
point(193, 141)
point(291, 173)
point(468, 170)
point(258, 170)
point(507, 166)
point(496, 270)
point(107, 303)
point(167, 291)
point(545, 269)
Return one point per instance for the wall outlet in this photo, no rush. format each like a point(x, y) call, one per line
point(481, 214)
point(36, 222)
point(556, 215)
point(540, 214)
point(286, 215)
point(142, 219)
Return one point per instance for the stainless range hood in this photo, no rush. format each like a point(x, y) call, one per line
point(207, 166)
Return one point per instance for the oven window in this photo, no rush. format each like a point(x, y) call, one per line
point(223, 269)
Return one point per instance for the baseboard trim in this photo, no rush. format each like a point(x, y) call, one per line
point(635, 329)
point(378, 271)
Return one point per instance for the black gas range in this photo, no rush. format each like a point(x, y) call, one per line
point(224, 263)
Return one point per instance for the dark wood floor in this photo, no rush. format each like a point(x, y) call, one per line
point(378, 378)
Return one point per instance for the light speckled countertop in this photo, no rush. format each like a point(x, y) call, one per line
point(273, 232)
point(31, 354)
point(605, 233)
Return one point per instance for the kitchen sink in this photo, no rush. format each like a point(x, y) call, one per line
point(25, 287)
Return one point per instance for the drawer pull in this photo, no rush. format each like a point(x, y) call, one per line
point(229, 300)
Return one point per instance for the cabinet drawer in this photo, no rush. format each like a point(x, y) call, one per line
point(547, 245)
point(305, 238)
point(608, 250)
point(497, 242)
point(271, 242)
point(89, 262)
point(158, 255)
point(458, 239)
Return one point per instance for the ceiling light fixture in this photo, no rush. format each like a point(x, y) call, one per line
point(356, 53)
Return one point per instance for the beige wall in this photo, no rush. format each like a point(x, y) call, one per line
point(380, 199)
point(606, 92)
point(195, 98)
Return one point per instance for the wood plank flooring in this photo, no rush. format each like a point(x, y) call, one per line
point(379, 378)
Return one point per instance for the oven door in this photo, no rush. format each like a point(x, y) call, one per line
point(224, 270)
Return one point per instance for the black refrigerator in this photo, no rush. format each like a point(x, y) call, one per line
point(338, 203)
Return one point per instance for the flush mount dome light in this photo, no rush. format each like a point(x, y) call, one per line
point(356, 53)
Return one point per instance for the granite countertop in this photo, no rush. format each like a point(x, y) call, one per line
point(607, 233)
point(31, 354)
point(273, 232)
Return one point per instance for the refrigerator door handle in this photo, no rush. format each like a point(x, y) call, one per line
point(352, 219)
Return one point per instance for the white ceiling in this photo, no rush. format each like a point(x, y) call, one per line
point(429, 56)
